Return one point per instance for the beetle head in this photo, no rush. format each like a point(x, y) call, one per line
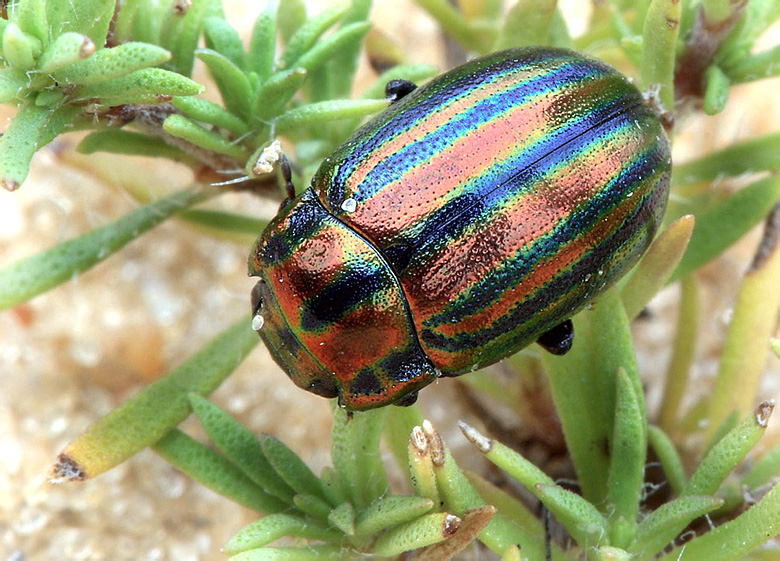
point(331, 312)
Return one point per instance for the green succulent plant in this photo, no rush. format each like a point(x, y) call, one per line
point(122, 71)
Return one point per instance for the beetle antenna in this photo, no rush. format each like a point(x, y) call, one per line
point(289, 188)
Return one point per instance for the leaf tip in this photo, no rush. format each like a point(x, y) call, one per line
point(181, 7)
point(10, 184)
point(418, 443)
point(86, 48)
point(66, 469)
point(483, 443)
point(435, 443)
point(763, 412)
point(450, 525)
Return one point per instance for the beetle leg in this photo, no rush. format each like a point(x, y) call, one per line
point(559, 339)
point(398, 89)
point(289, 188)
point(407, 400)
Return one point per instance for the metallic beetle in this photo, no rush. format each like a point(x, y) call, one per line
point(471, 218)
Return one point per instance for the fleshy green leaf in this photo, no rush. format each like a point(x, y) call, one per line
point(526, 473)
point(187, 129)
point(307, 34)
point(722, 225)
point(207, 467)
point(728, 451)
point(683, 355)
point(527, 24)
point(748, 156)
point(146, 417)
point(17, 146)
point(656, 266)
point(123, 23)
point(512, 554)
point(181, 33)
point(30, 15)
point(661, 27)
point(426, 530)
point(324, 111)
point(356, 456)
point(209, 112)
point(241, 446)
point(20, 49)
point(759, 66)
point(37, 273)
point(583, 388)
point(277, 91)
point(583, 520)
point(271, 528)
point(232, 82)
point(717, 11)
point(326, 49)
point(13, 84)
point(148, 22)
point(737, 537)
point(223, 38)
point(671, 462)
point(508, 505)
point(459, 496)
point(307, 553)
point(454, 24)
point(627, 463)
point(331, 487)
point(752, 324)
point(110, 64)
point(291, 15)
point(66, 50)
point(610, 553)
point(262, 45)
point(49, 98)
point(290, 467)
point(345, 62)
point(226, 222)
point(88, 17)
point(343, 518)
point(390, 511)
point(32, 129)
point(398, 425)
point(764, 470)
point(127, 142)
point(662, 525)
point(313, 506)
point(139, 86)
point(716, 90)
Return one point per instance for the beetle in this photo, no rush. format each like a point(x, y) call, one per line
point(472, 217)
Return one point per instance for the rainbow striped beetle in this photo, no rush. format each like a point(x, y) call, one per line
point(471, 218)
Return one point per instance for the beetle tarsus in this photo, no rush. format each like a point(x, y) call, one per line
point(407, 400)
point(398, 89)
point(559, 339)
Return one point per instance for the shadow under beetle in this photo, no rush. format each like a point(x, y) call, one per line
point(472, 217)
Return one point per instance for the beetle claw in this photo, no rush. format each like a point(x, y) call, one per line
point(407, 400)
point(559, 339)
point(398, 89)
